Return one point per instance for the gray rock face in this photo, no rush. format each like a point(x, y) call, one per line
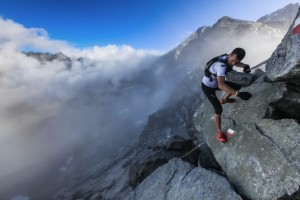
point(262, 158)
point(180, 180)
point(130, 166)
point(287, 68)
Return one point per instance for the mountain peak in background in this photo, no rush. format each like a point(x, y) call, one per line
point(44, 57)
point(279, 18)
point(225, 21)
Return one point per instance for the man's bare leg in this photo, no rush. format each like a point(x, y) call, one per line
point(217, 119)
point(227, 96)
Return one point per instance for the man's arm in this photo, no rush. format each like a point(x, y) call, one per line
point(222, 85)
point(240, 64)
point(245, 66)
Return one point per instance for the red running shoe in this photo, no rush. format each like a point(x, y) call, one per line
point(221, 137)
point(223, 101)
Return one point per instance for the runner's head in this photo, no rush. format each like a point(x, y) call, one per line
point(236, 56)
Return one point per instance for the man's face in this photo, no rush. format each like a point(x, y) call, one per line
point(232, 59)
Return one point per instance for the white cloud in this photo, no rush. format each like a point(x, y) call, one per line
point(45, 107)
point(107, 62)
point(18, 36)
point(110, 61)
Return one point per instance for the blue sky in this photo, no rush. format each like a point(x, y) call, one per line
point(144, 24)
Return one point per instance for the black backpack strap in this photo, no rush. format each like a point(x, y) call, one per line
point(210, 63)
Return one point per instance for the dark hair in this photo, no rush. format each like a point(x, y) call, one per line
point(240, 53)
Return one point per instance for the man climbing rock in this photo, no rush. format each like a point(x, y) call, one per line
point(214, 79)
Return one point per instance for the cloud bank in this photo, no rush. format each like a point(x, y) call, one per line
point(48, 108)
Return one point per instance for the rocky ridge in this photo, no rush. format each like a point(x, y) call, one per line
point(262, 158)
point(255, 162)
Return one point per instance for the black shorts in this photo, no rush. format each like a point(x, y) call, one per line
point(210, 93)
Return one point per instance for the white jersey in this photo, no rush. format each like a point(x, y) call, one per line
point(217, 68)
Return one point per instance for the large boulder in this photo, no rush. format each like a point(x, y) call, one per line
point(180, 180)
point(262, 158)
point(287, 68)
